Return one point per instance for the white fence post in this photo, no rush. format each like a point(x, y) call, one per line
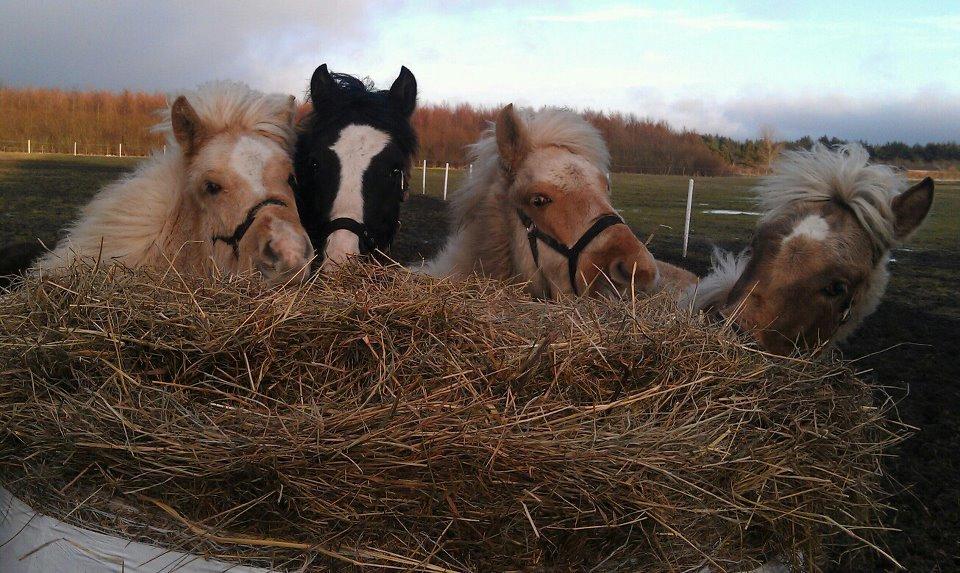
point(74, 147)
point(424, 186)
point(686, 227)
point(446, 176)
point(120, 152)
point(28, 146)
point(471, 170)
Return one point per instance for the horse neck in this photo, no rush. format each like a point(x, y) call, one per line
point(493, 240)
point(140, 220)
point(179, 239)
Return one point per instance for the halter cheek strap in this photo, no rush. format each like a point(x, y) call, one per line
point(241, 230)
point(572, 254)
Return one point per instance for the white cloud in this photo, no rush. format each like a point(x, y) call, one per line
point(928, 115)
point(706, 22)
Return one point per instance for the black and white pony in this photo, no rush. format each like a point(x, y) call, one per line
point(352, 162)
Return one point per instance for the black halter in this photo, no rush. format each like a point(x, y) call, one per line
point(356, 227)
point(347, 224)
point(241, 230)
point(571, 253)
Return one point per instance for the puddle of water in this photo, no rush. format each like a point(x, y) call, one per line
point(729, 212)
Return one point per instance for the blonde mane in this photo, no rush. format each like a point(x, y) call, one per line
point(233, 106)
point(843, 174)
point(712, 290)
point(142, 219)
point(482, 216)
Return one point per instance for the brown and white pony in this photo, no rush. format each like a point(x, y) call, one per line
point(537, 211)
point(218, 201)
point(817, 266)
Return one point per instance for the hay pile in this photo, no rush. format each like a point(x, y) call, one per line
point(378, 417)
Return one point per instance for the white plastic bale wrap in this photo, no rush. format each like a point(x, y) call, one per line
point(35, 543)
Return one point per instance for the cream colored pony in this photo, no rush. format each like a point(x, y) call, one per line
point(817, 266)
point(218, 201)
point(537, 211)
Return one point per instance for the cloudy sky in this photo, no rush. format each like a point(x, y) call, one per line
point(875, 70)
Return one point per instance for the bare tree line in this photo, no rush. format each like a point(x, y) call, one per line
point(54, 119)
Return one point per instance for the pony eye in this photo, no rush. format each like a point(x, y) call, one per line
point(315, 164)
point(211, 188)
point(540, 200)
point(837, 289)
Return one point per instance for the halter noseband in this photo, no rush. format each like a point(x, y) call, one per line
point(241, 230)
point(572, 254)
point(347, 224)
point(356, 227)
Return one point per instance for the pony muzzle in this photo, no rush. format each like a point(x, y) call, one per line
point(346, 238)
point(283, 250)
point(340, 246)
point(621, 262)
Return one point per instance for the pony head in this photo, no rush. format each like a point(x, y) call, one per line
point(353, 162)
point(236, 145)
point(817, 265)
point(554, 164)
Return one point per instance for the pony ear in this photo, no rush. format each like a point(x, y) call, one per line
point(512, 140)
point(187, 127)
point(322, 87)
point(289, 115)
point(403, 92)
point(911, 207)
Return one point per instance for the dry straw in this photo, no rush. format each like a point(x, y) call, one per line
point(382, 418)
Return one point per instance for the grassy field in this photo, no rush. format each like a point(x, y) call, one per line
point(911, 345)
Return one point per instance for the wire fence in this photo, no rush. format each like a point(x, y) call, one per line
point(32, 146)
point(126, 150)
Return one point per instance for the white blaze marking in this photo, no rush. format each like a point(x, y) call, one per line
point(248, 160)
point(812, 227)
point(355, 148)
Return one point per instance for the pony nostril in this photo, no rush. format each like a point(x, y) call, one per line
point(269, 253)
point(623, 273)
point(630, 272)
point(620, 273)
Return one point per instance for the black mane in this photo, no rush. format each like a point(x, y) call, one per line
point(360, 102)
point(341, 101)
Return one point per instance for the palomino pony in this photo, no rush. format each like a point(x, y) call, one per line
point(817, 266)
point(537, 210)
point(353, 162)
point(218, 201)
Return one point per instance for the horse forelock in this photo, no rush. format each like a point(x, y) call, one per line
point(549, 127)
point(358, 102)
point(842, 175)
point(233, 106)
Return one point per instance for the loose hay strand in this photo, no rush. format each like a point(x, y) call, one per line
point(377, 417)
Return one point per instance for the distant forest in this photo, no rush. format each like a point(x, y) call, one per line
point(752, 154)
point(100, 121)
